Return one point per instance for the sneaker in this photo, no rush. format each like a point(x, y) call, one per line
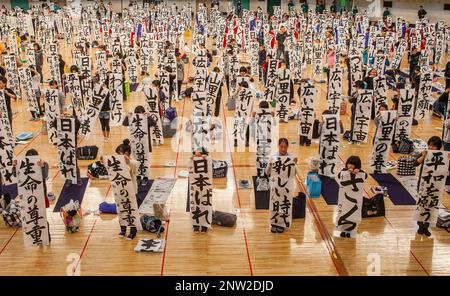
point(122, 234)
point(280, 229)
point(342, 234)
point(420, 231)
point(196, 228)
point(426, 232)
point(273, 229)
point(347, 234)
point(131, 236)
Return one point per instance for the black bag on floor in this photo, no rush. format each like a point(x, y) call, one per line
point(373, 207)
point(188, 92)
point(347, 136)
point(97, 170)
point(406, 146)
point(224, 219)
point(169, 128)
point(231, 104)
point(395, 147)
point(220, 168)
point(316, 129)
point(443, 220)
point(299, 206)
point(87, 152)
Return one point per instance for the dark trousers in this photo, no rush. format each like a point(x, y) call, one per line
point(227, 80)
point(39, 70)
point(305, 141)
point(35, 114)
point(260, 73)
point(133, 230)
point(217, 109)
point(104, 122)
point(179, 82)
point(446, 146)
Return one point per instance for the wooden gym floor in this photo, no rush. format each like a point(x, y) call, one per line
point(308, 248)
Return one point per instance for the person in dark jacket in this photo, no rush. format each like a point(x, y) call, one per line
point(421, 13)
point(261, 60)
point(39, 58)
point(9, 95)
point(414, 58)
point(447, 75)
point(62, 65)
point(440, 105)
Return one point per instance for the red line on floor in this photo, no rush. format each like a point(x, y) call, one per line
point(7, 243)
point(84, 247)
point(89, 236)
point(418, 261)
point(28, 144)
point(329, 243)
point(174, 175)
point(237, 189)
point(14, 233)
point(390, 224)
point(411, 252)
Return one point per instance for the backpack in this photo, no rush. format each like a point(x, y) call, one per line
point(220, 168)
point(347, 136)
point(405, 146)
point(443, 220)
point(151, 224)
point(107, 208)
point(224, 219)
point(316, 129)
point(373, 207)
point(231, 104)
point(87, 152)
point(299, 206)
point(169, 128)
point(97, 170)
point(188, 92)
point(171, 113)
